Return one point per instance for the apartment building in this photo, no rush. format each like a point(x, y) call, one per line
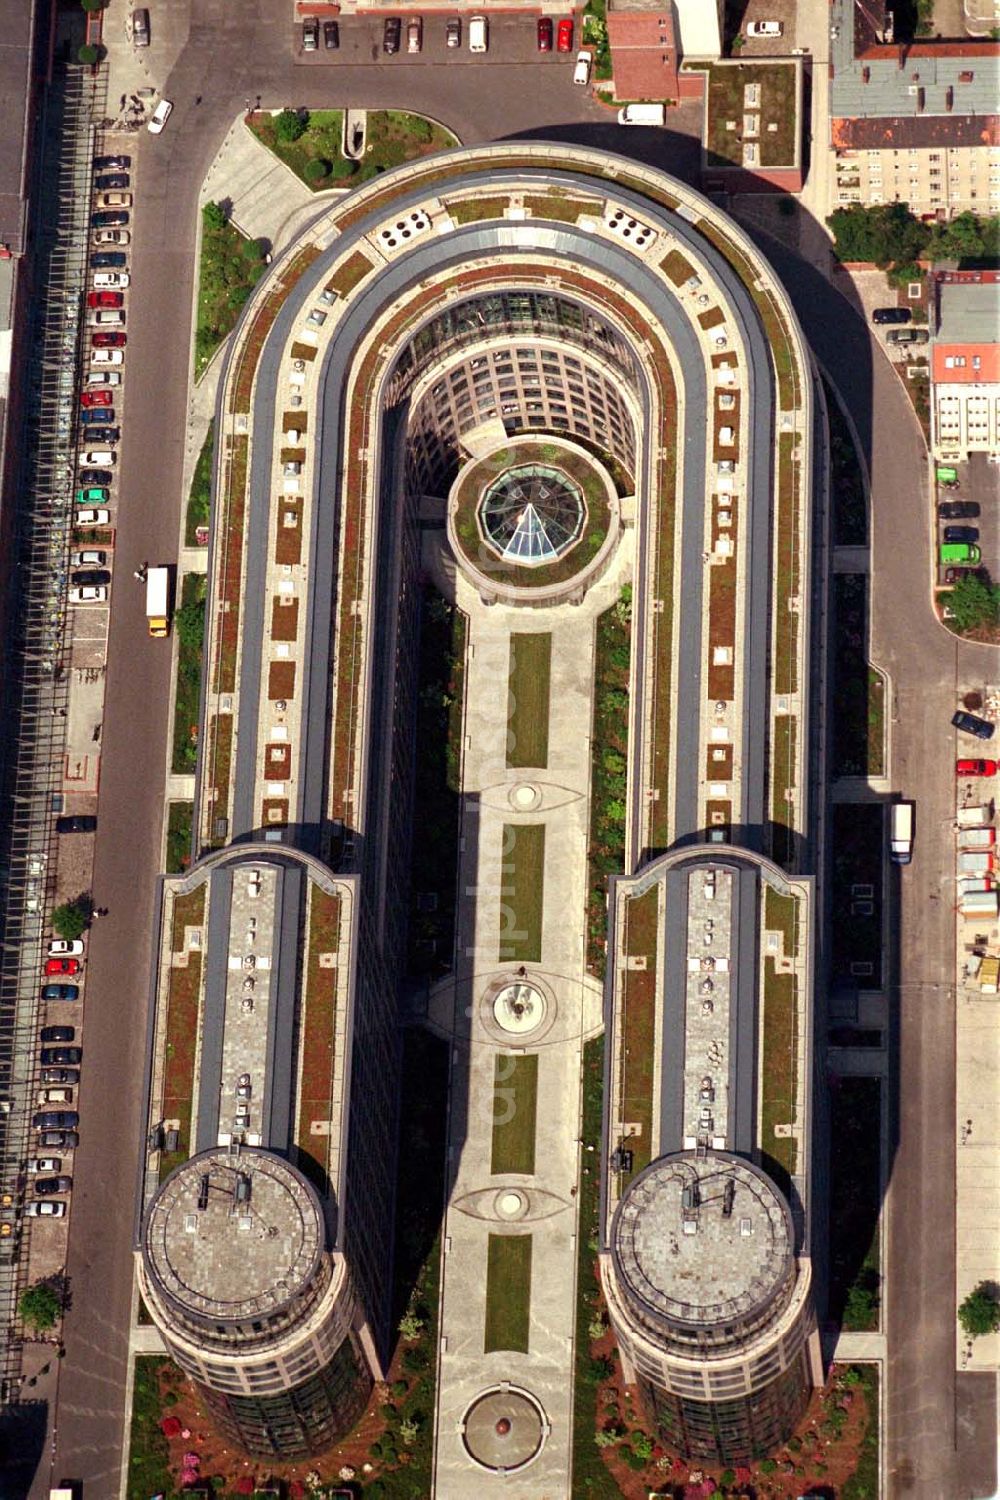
point(965, 365)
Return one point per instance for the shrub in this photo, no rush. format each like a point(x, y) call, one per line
point(342, 168)
point(90, 6)
point(399, 1387)
point(601, 1368)
point(630, 1458)
point(316, 169)
point(291, 125)
point(979, 1314)
point(642, 1444)
point(768, 1466)
point(69, 920)
point(88, 55)
point(410, 1326)
point(409, 1427)
point(40, 1306)
point(974, 604)
point(253, 251)
point(727, 1477)
point(414, 1360)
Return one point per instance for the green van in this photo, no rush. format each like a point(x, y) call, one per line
point(946, 475)
point(959, 552)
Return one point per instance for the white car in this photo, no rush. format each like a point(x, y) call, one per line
point(765, 28)
point(89, 594)
point(106, 317)
point(45, 1164)
point(93, 515)
point(159, 117)
point(97, 379)
point(44, 1208)
point(64, 947)
point(581, 73)
point(111, 237)
point(107, 357)
point(105, 281)
point(113, 200)
point(89, 558)
point(97, 458)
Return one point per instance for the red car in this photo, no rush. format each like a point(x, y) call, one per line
point(107, 340)
point(97, 398)
point(975, 768)
point(564, 35)
point(55, 966)
point(545, 34)
point(105, 299)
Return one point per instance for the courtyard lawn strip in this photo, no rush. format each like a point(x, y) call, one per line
point(515, 1109)
point(219, 765)
point(663, 614)
point(783, 745)
point(522, 892)
point(181, 1039)
point(779, 1073)
point(180, 816)
point(229, 268)
point(508, 1293)
point(786, 583)
point(200, 493)
point(608, 776)
point(189, 623)
point(393, 137)
point(780, 914)
point(865, 1482)
point(638, 1030)
point(317, 1049)
point(148, 1450)
point(855, 1200)
point(528, 682)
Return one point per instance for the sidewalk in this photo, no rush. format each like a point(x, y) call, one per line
point(262, 192)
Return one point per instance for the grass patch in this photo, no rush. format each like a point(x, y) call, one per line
point(437, 785)
point(219, 768)
point(857, 845)
point(515, 1107)
point(318, 1022)
point(183, 1005)
point(855, 1199)
point(475, 210)
point(782, 781)
point(522, 892)
point(528, 681)
point(863, 1484)
point(779, 916)
point(393, 137)
point(638, 1029)
point(231, 563)
point(608, 776)
point(189, 623)
point(565, 210)
point(776, 82)
point(590, 1476)
point(200, 494)
point(677, 268)
point(321, 141)
point(229, 269)
point(350, 274)
point(148, 1450)
point(180, 821)
point(779, 1073)
point(508, 1293)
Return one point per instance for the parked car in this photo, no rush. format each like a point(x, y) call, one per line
point(45, 1208)
point(112, 237)
point(88, 596)
point(479, 34)
point(76, 823)
point(45, 1164)
point(116, 279)
point(972, 724)
point(108, 339)
point(543, 33)
point(765, 28)
point(414, 34)
point(958, 510)
point(453, 31)
point(66, 948)
point(96, 398)
point(98, 379)
point(114, 200)
point(91, 457)
point(111, 163)
point(53, 1057)
point(102, 435)
point(67, 966)
point(91, 578)
point(58, 1140)
point(55, 1119)
point(61, 1075)
point(907, 336)
point(107, 357)
point(891, 315)
point(391, 34)
point(310, 34)
point(92, 515)
point(48, 1097)
point(965, 570)
point(964, 554)
point(975, 768)
point(331, 36)
point(161, 114)
point(96, 416)
point(60, 992)
point(140, 27)
point(90, 557)
point(581, 73)
point(108, 259)
point(564, 34)
point(109, 219)
point(110, 180)
point(105, 299)
point(961, 533)
point(46, 1186)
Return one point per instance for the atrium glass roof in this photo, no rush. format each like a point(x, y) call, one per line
point(532, 515)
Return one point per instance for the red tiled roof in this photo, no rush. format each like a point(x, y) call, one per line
point(904, 131)
point(903, 51)
point(988, 372)
point(643, 53)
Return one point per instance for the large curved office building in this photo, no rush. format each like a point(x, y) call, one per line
point(554, 400)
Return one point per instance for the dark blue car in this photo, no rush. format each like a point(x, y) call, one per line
point(61, 992)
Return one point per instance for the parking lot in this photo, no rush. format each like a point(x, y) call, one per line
point(976, 496)
point(511, 38)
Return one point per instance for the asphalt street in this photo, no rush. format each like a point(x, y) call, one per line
point(224, 54)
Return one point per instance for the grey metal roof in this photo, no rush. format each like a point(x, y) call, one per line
point(970, 313)
point(911, 82)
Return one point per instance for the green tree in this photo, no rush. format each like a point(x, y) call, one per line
point(884, 233)
point(40, 1306)
point(70, 920)
point(88, 55)
point(409, 1428)
point(253, 251)
point(410, 1326)
point(316, 169)
point(93, 5)
point(979, 1314)
point(343, 168)
point(214, 216)
point(291, 125)
point(974, 603)
point(189, 622)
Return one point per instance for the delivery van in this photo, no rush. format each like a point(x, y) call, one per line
point(642, 114)
point(479, 35)
point(959, 552)
point(901, 833)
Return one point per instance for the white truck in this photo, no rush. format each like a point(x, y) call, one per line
point(901, 833)
point(158, 601)
point(642, 114)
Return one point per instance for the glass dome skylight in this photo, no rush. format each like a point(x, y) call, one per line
point(532, 515)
